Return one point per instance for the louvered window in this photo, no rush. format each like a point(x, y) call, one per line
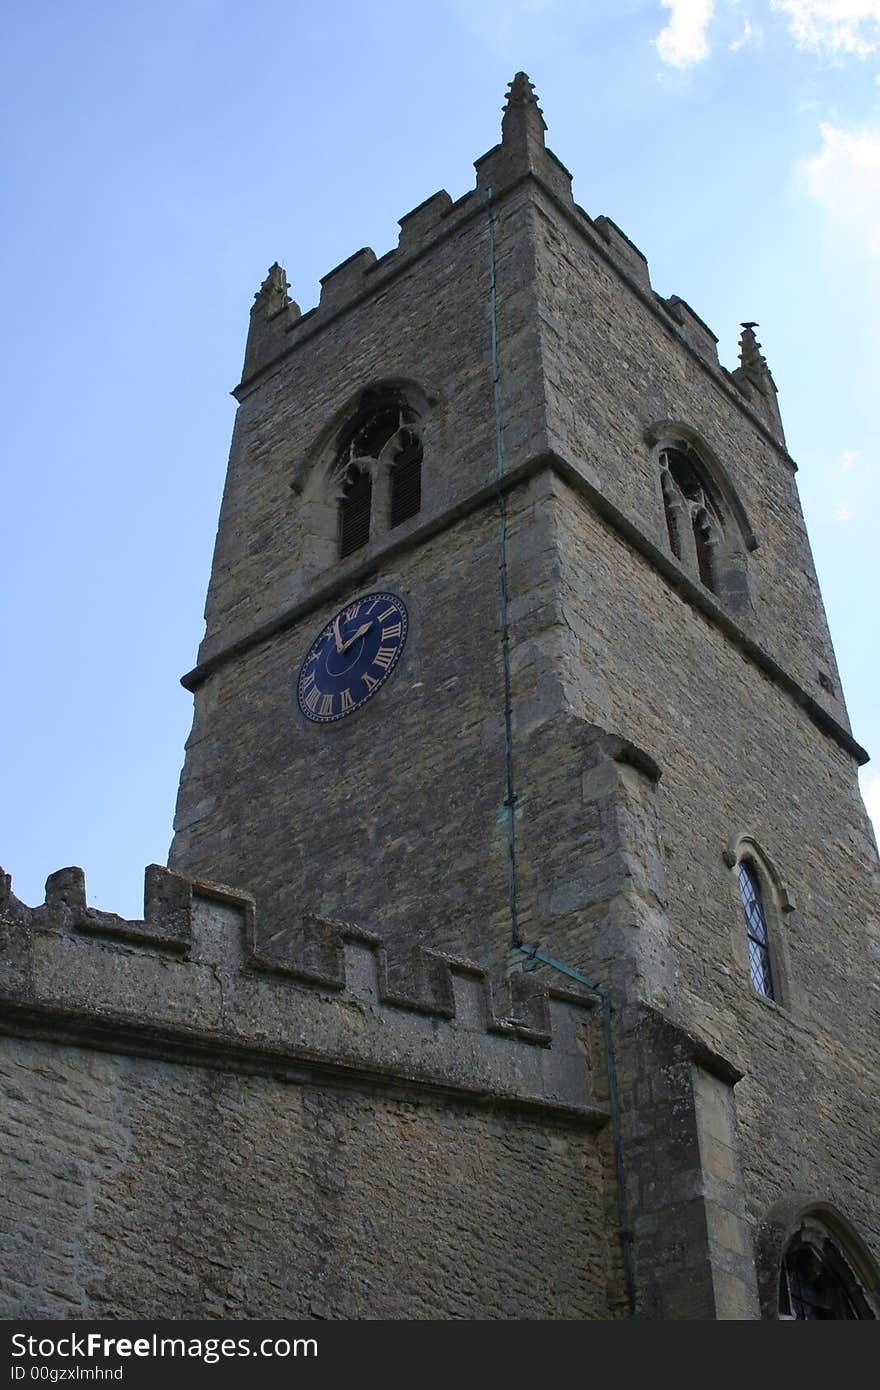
point(354, 512)
point(377, 471)
point(703, 541)
point(406, 483)
point(691, 507)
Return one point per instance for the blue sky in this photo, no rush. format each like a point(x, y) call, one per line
point(160, 156)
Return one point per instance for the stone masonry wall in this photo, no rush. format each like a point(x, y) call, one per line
point(736, 754)
point(420, 316)
point(394, 816)
point(198, 1130)
point(651, 726)
point(613, 370)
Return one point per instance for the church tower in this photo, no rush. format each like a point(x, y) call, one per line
point(515, 649)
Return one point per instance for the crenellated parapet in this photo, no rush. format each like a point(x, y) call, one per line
point(278, 327)
point(190, 982)
point(625, 252)
point(697, 333)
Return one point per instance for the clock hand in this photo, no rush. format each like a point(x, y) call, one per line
point(337, 636)
point(362, 630)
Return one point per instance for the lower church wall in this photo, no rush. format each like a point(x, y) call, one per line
point(194, 1130)
point(146, 1189)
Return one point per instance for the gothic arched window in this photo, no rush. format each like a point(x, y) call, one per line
point(378, 468)
point(765, 904)
point(695, 521)
point(813, 1265)
point(756, 930)
point(817, 1282)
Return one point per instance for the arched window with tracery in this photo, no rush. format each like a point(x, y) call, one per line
point(813, 1266)
point(813, 1286)
point(706, 526)
point(378, 468)
point(363, 476)
point(695, 520)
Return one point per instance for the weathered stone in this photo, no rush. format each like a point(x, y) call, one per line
point(375, 1115)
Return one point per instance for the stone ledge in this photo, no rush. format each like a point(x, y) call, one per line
point(190, 983)
point(349, 572)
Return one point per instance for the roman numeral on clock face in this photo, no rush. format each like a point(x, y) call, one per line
point(362, 643)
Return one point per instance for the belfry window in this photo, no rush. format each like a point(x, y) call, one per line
point(694, 521)
point(354, 511)
point(756, 930)
point(378, 469)
point(406, 481)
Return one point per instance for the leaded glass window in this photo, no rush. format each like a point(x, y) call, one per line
point(811, 1289)
point(756, 929)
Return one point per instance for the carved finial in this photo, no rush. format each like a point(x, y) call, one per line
point(521, 93)
point(750, 358)
point(752, 362)
point(273, 312)
point(522, 109)
point(522, 149)
point(273, 295)
point(753, 372)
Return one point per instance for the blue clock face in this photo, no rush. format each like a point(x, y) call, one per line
point(351, 657)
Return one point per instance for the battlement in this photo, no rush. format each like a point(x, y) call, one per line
point(192, 981)
point(277, 325)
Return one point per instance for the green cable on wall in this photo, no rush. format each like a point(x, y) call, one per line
point(510, 799)
point(534, 955)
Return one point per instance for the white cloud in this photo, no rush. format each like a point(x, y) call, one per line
point(833, 28)
point(844, 177)
point(848, 460)
point(683, 42)
point(829, 28)
point(870, 784)
point(844, 513)
point(736, 44)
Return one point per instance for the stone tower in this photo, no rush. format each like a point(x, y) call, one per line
point(613, 741)
point(515, 662)
point(612, 737)
point(515, 649)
